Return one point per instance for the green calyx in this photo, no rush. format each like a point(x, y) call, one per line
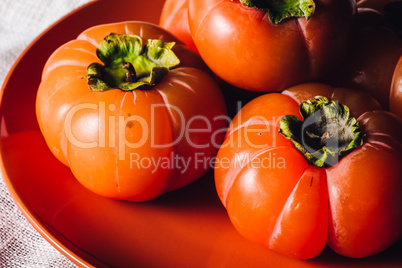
point(129, 65)
point(279, 10)
point(326, 134)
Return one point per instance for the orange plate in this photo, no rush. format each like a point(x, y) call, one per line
point(185, 228)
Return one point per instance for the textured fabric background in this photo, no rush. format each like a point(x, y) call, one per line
point(20, 22)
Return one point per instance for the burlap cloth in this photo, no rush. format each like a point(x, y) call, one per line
point(20, 22)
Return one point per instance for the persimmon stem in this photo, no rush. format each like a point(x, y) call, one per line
point(279, 10)
point(128, 65)
point(130, 72)
point(326, 133)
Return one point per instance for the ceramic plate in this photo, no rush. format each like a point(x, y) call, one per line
point(185, 228)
